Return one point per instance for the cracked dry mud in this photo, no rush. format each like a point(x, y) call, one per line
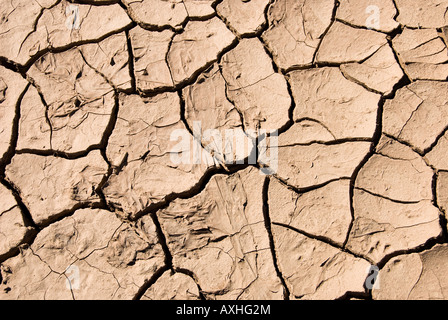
point(93, 206)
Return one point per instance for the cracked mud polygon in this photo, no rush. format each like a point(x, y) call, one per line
point(118, 179)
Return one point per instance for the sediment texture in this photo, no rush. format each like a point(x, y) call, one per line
point(116, 183)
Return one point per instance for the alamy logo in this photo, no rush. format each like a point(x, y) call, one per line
point(226, 147)
point(373, 20)
point(373, 279)
point(72, 274)
point(72, 21)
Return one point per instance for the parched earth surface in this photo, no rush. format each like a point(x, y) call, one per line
point(94, 206)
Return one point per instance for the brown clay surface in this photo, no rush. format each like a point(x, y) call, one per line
point(92, 205)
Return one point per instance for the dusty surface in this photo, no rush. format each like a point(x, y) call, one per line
point(95, 95)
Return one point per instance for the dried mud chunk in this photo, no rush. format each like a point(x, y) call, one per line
point(295, 30)
point(143, 127)
point(78, 128)
point(172, 13)
point(427, 71)
point(79, 101)
point(416, 276)
point(130, 258)
point(12, 226)
point(57, 26)
point(343, 44)
point(303, 166)
point(437, 156)
point(150, 67)
point(34, 129)
point(220, 236)
point(199, 9)
point(382, 226)
point(305, 132)
point(322, 212)
point(381, 72)
point(175, 286)
point(246, 17)
point(17, 22)
point(26, 276)
point(75, 238)
point(422, 13)
point(314, 270)
point(207, 108)
point(393, 203)
point(110, 58)
point(206, 101)
point(423, 54)
point(76, 261)
point(418, 113)
point(396, 172)
point(345, 108)
point(157, 12)
point(45, 193)
point(151, 137)
point(64, 76)
point(12, 86)
point(420, 45)
point(196, 47)
point(372, 14)
point(254, 87)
